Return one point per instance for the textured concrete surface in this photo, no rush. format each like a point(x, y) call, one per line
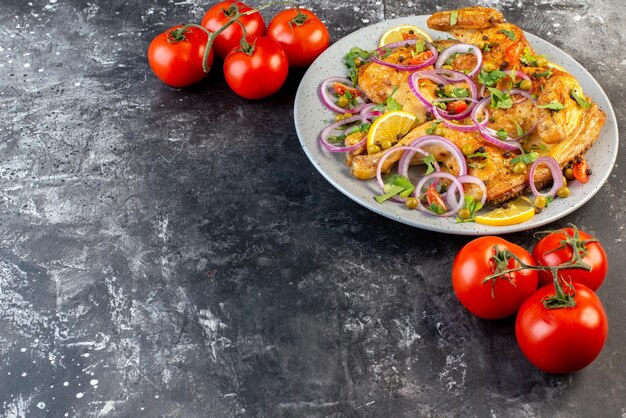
point(173, 253)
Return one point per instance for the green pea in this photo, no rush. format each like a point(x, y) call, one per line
point(343, 102)
point(563, 192)
point(386, 144)
point(540, 202)
point(464, 213)
point(467, 149)
point(411, 203)
point(373, 149)
point(519, 168)
point(526, 85)
point(569, 174)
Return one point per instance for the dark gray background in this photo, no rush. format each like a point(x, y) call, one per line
point(173, 253)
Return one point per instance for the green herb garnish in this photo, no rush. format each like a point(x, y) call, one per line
point(553, 105)
point(433, 127)
point(350, 61)
point(473, 207)
point(435, 208)
point(502, 134)
point(430, 161)
point(390, 104)
point(520, 131)
point(395, 184)
point(454, 15)
point(490, 78)
point(420, 46)
point(509, 33)
point(546, 74)
point(500, 99)
point(525, 158)
point(585, 104)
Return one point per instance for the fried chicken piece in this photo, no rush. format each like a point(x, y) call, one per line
point(562, 134)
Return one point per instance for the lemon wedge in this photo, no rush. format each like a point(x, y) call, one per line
point(517, 211)
point(400, 33)
point(388, 129)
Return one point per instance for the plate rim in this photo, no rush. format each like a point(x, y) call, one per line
point(490, 230)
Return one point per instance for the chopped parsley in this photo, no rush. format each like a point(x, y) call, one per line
point(420, 46)
point(433, 127)
point(530, 60)
point(553, 105)
point(480, 155)
point(585, 104)
point(500, 99)
point(435, 208)
point(390, 104)
point(454, 16)
point(487, 46)
point(473, 207)
point(520, 131)
point(429, 160)
point(502, 134)
point(490, 78)
point(525, 158)
point(352, 58)
point(336, 139)
point(546, 74)
point(395, 184)
point(509, 33)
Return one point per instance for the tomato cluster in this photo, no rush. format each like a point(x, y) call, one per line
point(560, 327)
point(256, 63)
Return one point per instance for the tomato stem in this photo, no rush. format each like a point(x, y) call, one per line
point(560, 299)
point(299, 18)
point(501, 260)
point(207, 49)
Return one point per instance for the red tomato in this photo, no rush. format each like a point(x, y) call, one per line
point(434, 198)
point(580, 170)
point(303, 36)
point(547, 252)
point(562, 340)
point(513, 53)
point(259, 74)
point(456, 107)
point(497, 298)
point(341, 89)
point(179, 63)
point(221, 13)
point(420, 58)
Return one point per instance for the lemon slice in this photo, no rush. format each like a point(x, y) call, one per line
point(388, 129)
point(518, 211)
point(397, 34)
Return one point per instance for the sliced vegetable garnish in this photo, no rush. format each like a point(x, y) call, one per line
point(329, 95)
point(461, 49)
point(333, 136)
point(555, 170)
point(418, 62)
point(435, 176)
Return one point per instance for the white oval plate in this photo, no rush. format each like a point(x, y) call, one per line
point(310, 115)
